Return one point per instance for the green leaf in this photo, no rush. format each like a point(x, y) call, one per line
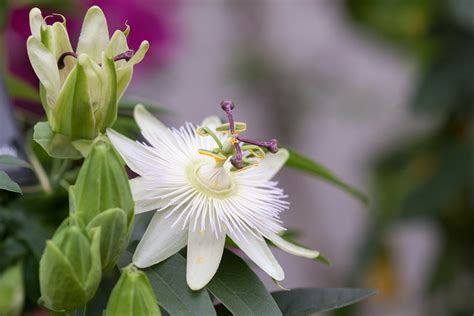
point(55, 144)
point(239, 288)
point(19, 89)
point(300, 162)
point(299, 302)
point(6, 183)
point(13, 161)
point(168, 279)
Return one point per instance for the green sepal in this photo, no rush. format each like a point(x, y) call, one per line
point(83, 146)
point(73, 111)
point(55, 144)
point(114, 235)
point(106, 114)
point(70, 268)
point(132, 295)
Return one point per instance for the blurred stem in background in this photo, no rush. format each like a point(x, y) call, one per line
point(431, 177)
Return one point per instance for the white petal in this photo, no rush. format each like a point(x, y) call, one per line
point(150, 126)
point(94, 34)
point(212, 122)
point(272, 163)
point(45, 67)
point(138, 157)
point(204, 255)
point(258, 250)
point(160, 240)
point(36, 20)
point(146, 199)
point(293, 249)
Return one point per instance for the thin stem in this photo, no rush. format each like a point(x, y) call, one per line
point(39, 171)
point(61, 170)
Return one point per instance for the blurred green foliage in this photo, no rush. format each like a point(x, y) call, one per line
point(432, 176)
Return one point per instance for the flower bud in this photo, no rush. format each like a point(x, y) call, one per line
point(132, 295)
point(80, 89)
point(101, 197)
point(70, 269)
point(12, 293)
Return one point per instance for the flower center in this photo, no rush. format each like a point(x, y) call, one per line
point(210, 178)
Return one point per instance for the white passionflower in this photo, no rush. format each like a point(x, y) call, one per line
point(200, 197)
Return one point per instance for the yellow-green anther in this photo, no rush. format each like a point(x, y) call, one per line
point(132, 295)
point(239, 127)
point(70, 268)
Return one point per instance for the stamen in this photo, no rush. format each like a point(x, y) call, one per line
point(61, 64)
point(125, 55)
point(238, 161)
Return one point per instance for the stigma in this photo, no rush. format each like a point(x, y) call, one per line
point(242, 152)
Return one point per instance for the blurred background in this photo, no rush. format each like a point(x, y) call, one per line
point(379, 91)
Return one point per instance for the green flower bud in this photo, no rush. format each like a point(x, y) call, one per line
point(102, 198)
point(12, 293)
point(80, 89)
point(70, 269)
point(132, 295)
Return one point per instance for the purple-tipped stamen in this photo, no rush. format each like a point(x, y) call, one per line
point(125, 55)
point(271, 145)
point(61, 64)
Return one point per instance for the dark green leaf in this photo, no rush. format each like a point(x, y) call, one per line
point(240, 290)
point(56, 145)
point(19, 89)
point(300, 162)
point(299, 302)
point(13, 161)
point(168, 279)
point(6, 183)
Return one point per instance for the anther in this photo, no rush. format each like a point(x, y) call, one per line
point(125, 55)
point(61, 64)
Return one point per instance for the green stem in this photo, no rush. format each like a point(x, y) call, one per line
point(39, 171)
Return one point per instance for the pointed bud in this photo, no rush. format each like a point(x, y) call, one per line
point(70, 269)
point(132, 295)
point(102, 198)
